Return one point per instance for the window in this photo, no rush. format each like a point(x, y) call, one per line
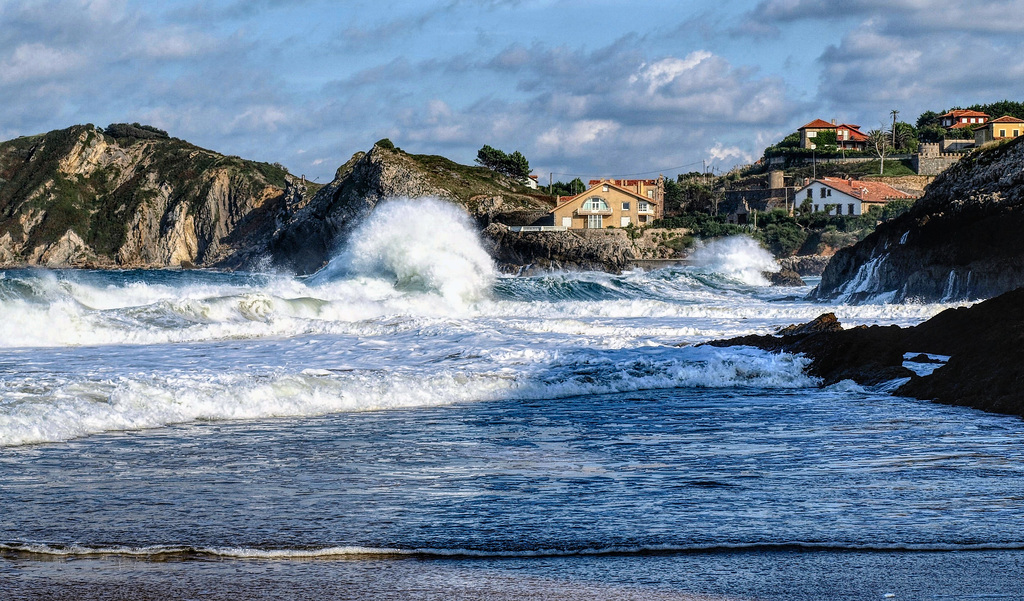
point(963, 119)
point(1002, 133)
point(816, 209)
point(643, 206)
point(821, 193)
point(1016, 133)
point(624, 221)
point(650, 194)
point(812, 134)
point(839, 209)
point(810, 194)
point(849, 208)
point(594, 221)
point(595, 204)
point(829, 193)
point(625, 206)
point(604, 188)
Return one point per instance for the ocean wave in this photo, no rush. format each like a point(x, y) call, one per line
point(184, 553)
point(39, 408)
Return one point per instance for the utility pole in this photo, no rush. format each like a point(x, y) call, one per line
point(551, 185)
point(894, 112)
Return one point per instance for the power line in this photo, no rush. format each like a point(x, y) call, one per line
point(625, 175)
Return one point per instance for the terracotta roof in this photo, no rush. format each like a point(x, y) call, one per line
point(856, 135)
point(964, 113)
point(866, 191)
point(1006, 119)
point(818, 124)
point(623, 182)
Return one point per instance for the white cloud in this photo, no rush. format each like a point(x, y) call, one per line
point(37, 62)
point(667, 70)
point(578, 138)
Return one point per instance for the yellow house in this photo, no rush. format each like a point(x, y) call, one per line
point(998, 129)
point(610, 203)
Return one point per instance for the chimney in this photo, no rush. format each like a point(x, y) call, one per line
point(833, 122)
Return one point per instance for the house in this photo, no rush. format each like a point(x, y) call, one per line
point(531, 182)
point(963, 119)
point(841, 196)
point(848, 136)
point(612, 203)
point(998, 129)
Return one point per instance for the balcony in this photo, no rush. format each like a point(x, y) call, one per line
point(582, 211)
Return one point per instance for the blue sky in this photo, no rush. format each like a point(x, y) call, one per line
point(596, 88)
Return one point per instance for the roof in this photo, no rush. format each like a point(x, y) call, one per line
point(1007, 119)
point(964, 113)
point(564, 200)
point(818, 124)
point(866, 191)
point(855, 133)
point(623, 182)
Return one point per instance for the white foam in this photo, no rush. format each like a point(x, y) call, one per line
point(423, 244)
point(40, 409)
point(738, 257)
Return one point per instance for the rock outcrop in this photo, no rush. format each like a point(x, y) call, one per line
point(961, 240)
point(83, 197)
point(984, 343)
point(130, 196)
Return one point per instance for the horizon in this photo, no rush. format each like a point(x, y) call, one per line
point(612, 90)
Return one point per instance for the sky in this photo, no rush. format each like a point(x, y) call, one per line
point(592, 88)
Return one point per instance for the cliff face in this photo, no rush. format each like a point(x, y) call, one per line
point(312, 234)
point(78, 197)
point(83, 197)
point(961, 240)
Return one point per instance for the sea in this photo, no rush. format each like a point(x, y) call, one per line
point(409, 423)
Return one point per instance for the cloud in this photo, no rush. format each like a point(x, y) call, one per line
point(30, 62)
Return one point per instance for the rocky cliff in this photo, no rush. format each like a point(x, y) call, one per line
point(961, 240)
point(311, 234)
point(130, 197)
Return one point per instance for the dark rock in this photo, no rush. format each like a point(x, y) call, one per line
point(985, 344)
point(806, 265)
point(826, 322)
point(526, 252)
point(961, 240)
point(784, 277)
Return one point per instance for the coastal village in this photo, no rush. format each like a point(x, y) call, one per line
point(822, 188)
point(624, 203)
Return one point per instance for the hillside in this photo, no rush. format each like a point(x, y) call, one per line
point(961, 240)
point(132, 197)
point(311, 234)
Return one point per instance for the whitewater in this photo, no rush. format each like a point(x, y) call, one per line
point(408, 400)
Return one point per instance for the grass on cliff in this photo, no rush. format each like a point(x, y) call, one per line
point(467, 181)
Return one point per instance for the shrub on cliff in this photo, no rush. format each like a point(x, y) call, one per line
point(135, 130)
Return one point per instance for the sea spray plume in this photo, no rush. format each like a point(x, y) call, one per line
point(422, 244)
point(737, 257)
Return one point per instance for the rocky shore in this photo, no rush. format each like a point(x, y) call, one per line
point(961, 240)
point(984, 344)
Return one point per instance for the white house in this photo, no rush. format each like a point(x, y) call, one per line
point(840, 196)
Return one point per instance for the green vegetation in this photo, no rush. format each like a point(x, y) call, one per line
point(513, 165)
point(136, 131)
point(99, 205)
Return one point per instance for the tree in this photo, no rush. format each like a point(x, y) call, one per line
point(516, 166)
point(878, 141)
point(513, 165)
point(905, 137)
point(492, 158)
